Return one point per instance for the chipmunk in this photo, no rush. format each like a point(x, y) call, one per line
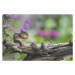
point(17, 37)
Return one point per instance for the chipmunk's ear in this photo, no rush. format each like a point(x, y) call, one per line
point(21, 30)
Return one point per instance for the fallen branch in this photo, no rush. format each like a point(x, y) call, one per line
point(40, 51)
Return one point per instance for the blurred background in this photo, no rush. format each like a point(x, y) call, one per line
point(47, 28)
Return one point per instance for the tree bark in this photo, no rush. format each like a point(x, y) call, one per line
point(40, 51)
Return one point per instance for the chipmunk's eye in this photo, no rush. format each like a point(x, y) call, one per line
point(24, 32)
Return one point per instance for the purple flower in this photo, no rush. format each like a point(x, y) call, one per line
point(24, 26)
point(42, 32)
point(21, 27)
point(15, 16)
point(46, 33)
point(6, 25)
point(9, 15)
point(8, 39)
point(27, 20)
point(53, 33)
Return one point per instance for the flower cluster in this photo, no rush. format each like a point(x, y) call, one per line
point(15, 16)
point(53, 33)
point(6, 25)
point(25, 25)
point(8, 15)
point(47, 33)
point(26, 20)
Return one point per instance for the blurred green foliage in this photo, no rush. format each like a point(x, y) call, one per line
point(68, 59)
point(61, 23)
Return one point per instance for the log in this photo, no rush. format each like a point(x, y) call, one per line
point(37, 51)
